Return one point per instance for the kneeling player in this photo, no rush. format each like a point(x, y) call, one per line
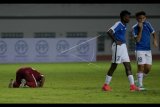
point(27, 77)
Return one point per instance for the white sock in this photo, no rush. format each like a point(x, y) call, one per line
point(140, 79)
point(108, 79)
point(131, 79)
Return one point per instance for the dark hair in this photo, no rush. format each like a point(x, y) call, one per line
point(124, 13)
point(140, 13)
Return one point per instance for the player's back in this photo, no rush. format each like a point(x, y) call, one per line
point(24, 69)
point(33, 72)
point(29, 70)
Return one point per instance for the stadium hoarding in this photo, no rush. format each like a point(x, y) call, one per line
point(30, 50)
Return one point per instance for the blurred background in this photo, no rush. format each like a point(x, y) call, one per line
point(80, 21)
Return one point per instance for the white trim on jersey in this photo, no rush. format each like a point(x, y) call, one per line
point(134, 25)
point(153, 32)
point(34, 80)
point(115, 25)
point(151, 27)
point(133, 33)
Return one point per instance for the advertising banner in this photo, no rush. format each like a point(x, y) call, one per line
point(29, 50)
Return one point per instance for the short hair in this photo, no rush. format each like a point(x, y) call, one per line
point(124, 13)
point(140, 13)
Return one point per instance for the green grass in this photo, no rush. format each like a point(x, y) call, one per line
point(79, 83)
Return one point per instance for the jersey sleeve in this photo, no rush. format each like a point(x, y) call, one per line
point(151, 29)
point(115, 27)
point(134, 32)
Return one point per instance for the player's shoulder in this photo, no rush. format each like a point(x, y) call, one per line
point(147, 23)
point(117, 24)
point(135, 25)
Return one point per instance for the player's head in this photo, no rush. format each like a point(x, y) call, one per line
point(141, 16)
point(125, 16)
point(40, 83)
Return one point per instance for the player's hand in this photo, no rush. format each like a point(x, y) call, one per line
point(140, 25)
point(155, 43)
point(118, 42)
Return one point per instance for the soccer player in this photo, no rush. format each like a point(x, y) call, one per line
point(119, 51)
point(142, 32)
point(27, 77)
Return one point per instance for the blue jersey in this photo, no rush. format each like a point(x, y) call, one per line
point(144, 43)
point(119, 30)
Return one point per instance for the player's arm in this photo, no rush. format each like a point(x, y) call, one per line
point(111, 34)
point(155, 40)
point(139, 34)
point(153, 34)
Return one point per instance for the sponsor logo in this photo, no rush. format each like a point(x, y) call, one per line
point(62, 46)
point(21, 47)
point(42, 47)
point(3, 47)
point(83, 47)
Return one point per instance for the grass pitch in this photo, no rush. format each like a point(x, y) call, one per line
point(77, 83)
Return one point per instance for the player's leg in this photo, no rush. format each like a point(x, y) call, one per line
point(148, 64)
point(116, 58)
point(144, 68)
point(147, 68)
point(111, 70)
point(140, 74)
point(110, 73)
point(17, 82)
point(126, 62)
point(127, 66)
point(141, 60)
point(11, 82)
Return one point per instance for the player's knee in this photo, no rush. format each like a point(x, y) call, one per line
point(128, 68)
point(140, 67)
point(146, 71)
point(128, 73)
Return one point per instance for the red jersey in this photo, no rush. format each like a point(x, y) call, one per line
point(31, 76)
